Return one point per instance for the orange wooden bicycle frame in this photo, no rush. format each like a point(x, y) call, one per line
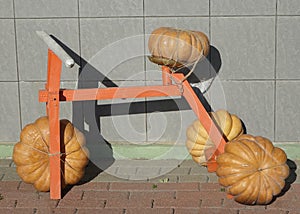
point(53, 95)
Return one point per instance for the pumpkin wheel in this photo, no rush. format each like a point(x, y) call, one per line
point(253, 169)
point(31, 154)
point(175, 47)
point(198, 140)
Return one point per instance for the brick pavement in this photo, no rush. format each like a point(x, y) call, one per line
point(189, 189)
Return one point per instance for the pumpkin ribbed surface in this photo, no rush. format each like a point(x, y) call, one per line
point(31, 154)
point(176, 47)
point(198, 139)
point(253, 169)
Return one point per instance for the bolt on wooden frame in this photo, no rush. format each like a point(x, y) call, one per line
point(52, 95)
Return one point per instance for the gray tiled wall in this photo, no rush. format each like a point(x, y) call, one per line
point(258, 41)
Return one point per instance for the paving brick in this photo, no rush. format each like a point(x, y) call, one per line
point(126, 170)
point(11, 175)
point(212, 178)
point(210, 187)
point(95, 195)
point(151, 195)
point(149, 210)
point(111, 170)
point(9, 185)
point(7, 169)
point(111, 178)
point(211, 202)
point(100, 203)
point(55, 210)
point(256, 211)
point(131, 186)
point(289, 195)
point(193, 186)
point(44, 195)
point(180, 171)
point(193, 178)
point(25, 186)
point(171, 202)
point(97, 186)
point(5, 162)
point(285, 204)
point(143, 163)
point(199, 170)
point(230, 203)
point(188, 194)
point(139, 178)
point(146, 203)
point(36, 203)
point(13, 164)
point(7, 203)
point(12, 194)
point(256, 207)
point(171, 178)
point(148, 171)
point(205, 211)
point(293, 211)
point(200, 195)
point(295, 188)
point(100, 210)
point(187, 210)
point(16, 210)
point(74, 195)
point(189, 163)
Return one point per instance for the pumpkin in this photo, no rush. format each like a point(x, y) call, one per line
point(31, 154)
point(175, 47)
point(198, 139)
point(253, 169)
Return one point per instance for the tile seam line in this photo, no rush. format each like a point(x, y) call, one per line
point(158, 16)
point(224, 80)
point(145, 68)
point(259, 80)
point(116, 17)
point(275, 74)
point(74, 17)
point(17, 66)
point(273, 15)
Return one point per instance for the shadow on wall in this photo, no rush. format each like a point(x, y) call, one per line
point(205, 69)
point(87, 114)
point(83, 118)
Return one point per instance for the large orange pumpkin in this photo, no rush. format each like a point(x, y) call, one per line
point(31, 154)
point(198, 139)
point(176, 47)
point(253, 169)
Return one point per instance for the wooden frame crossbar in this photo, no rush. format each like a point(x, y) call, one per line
point(112, 93)
point(172, 85)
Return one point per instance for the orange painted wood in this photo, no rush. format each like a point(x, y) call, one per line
point(113, 93)
point(166, 75)
point(52, 86)
point(229, 196)
point(207, 122)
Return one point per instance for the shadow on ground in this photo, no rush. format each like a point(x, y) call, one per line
point(289, 180)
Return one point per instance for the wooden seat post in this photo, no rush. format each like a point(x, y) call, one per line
point(52, 107)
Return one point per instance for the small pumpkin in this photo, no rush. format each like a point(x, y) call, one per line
point(198, 139)
point(175, 47)
point(253, 169)
point(31, 154)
